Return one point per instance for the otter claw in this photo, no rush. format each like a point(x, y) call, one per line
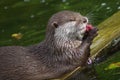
point(89, 61)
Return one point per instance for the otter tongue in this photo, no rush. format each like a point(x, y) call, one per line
point(89, 27)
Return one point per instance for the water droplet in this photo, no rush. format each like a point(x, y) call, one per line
point(5, 7)
point(43, 1)
point(108, 8)
point(103, 4)
point(46, 4)
point(32, 16)
point(117, 3)
point(63, 0)
point(3, 30)
point(67, 3)
point(119, 7)
point(26, 0)
point(9, 40)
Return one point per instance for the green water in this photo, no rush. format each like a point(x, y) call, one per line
point(30, 17)
point(110, 74)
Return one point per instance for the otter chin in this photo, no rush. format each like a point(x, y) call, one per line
point(65, 47)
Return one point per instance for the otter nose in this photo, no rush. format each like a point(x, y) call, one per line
point(85, 20)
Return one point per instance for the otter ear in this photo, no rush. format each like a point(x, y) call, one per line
point(55, 24)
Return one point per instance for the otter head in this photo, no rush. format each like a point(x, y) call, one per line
point(67, 25)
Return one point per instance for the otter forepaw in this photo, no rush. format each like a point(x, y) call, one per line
point(92, 34)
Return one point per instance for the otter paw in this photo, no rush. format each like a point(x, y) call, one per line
point(92, 33)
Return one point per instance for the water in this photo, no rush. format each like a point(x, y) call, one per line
point(30, 17)
point(34, 15)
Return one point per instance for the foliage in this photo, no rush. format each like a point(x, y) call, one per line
point(113, 66)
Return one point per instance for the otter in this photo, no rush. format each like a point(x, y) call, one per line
point(65, 47)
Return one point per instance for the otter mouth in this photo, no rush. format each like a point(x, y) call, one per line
point(84, 29)
point(89, 27)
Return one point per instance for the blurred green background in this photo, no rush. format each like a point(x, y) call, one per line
point(30, 17)
point(28, 20)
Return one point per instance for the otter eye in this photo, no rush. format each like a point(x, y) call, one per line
point(72, 19)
